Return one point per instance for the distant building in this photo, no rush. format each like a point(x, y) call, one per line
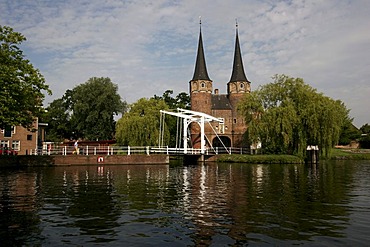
point(219, 105)
point(21, 140)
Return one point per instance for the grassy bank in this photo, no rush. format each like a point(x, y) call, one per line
point(337, 154)
point(260, 159)
point(350, 154)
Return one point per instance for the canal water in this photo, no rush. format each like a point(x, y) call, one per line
point(192, 205)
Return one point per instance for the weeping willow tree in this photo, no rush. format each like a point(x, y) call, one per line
point(140, 125)
point(287, 115)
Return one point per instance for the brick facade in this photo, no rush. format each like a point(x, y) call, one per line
point(20, 139)
point(219, 105)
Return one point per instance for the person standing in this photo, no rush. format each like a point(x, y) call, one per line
point(76, 151)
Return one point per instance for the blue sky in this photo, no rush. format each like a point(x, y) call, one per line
point(147, 47)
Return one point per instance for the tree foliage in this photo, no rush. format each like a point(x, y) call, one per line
point(287, 115)
point(21, 85)
point(58, 119)
point(365, 138)
point(140, 125)
point(86, 112)
point(182, 100)
point(349, 133)
point(365, 129)
point(94, 104)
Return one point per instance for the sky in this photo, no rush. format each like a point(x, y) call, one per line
point(148, 47)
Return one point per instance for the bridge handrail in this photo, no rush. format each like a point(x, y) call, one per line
point(128, 150)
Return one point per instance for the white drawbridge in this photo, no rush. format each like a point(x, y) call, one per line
point(189, 117)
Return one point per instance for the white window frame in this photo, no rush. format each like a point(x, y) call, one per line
point(16, 145)
point(4, 143)
point(12, 132)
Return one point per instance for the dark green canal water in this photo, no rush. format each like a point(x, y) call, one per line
point(194, 205)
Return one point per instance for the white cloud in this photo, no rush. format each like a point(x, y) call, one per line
point(147, 47)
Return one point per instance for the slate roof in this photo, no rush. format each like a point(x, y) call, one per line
point(200, 72)
point(238, 73)
point(220, 102)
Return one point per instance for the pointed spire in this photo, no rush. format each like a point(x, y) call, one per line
point(238, 73)
point(200, 72)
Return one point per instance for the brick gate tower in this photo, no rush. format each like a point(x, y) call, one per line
point(219, 105)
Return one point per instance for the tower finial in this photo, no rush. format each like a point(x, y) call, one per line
point(236, 23)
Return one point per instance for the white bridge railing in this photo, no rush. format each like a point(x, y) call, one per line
point(129, 150)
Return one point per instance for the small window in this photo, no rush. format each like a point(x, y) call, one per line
point(4, 144)
point(9, 130)
point(203, 84)
point(241, 85)
point(234, 120)
point(29, 137)
point(16, 145)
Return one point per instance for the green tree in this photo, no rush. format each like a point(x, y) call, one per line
point(21, 85)
point(349, 133)
point(365, 129)
point(365, 138)
point(57, 116)
point(287, 115)
point(182, 100)
point(140, 125)
point(93, 106)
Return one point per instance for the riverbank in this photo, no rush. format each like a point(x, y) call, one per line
point(337, 154)
point(350, 154)
point(260, 159)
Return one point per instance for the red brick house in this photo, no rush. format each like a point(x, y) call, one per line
point(21, 140)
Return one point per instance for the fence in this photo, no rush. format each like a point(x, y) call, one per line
point(129, 150)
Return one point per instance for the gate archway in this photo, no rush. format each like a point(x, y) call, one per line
point(221, 141)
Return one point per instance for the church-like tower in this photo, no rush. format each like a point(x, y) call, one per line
point(219, 105)
point(238, 83)
point(237, 87)
point(201, 84)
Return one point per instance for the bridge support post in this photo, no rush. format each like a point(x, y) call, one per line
point(185, 136)
point(202, 139)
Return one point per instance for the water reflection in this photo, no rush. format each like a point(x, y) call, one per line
point(205, 204)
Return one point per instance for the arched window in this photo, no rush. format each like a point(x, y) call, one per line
point(203, 84)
